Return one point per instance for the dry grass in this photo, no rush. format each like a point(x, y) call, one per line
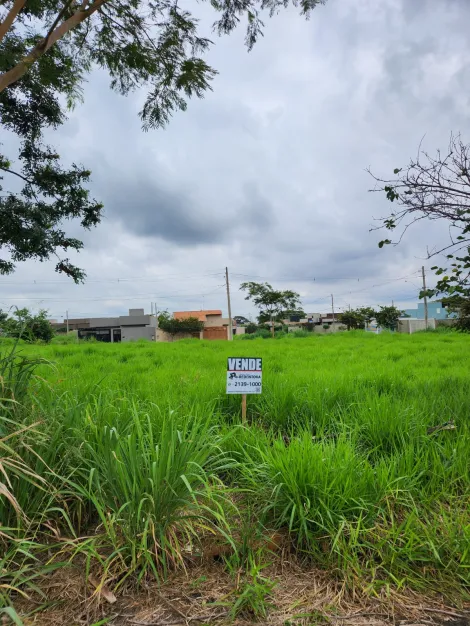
point(303, 596)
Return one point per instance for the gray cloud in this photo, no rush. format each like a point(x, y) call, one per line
point(267, 173)
point(148, 210)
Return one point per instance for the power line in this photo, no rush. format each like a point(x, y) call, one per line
point(118, 297)
point(66, 281)
point(319, 279)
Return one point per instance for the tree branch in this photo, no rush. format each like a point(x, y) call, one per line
point(26, 180)
point(11, 17)
point(55, 23)
point(13, 75)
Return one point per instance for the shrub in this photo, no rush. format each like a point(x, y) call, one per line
point(311, 488)
point(23, 324)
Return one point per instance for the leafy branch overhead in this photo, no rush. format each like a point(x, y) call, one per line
point(47, 47)
point(435, 188)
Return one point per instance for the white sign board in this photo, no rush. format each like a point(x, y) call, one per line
point(244, 375)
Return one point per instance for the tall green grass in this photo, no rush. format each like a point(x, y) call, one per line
point(132, 454)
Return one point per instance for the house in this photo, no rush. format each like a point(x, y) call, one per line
point(215, 326)
point(296, 322)
point(136, 325)
point(436, 310)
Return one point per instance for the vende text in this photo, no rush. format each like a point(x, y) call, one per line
point(244, 365)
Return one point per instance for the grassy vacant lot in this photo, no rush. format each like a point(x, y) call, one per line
point(130, 461)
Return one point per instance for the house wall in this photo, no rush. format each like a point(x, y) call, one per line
point(448, 323)
point(137, 320)
point(107, 322)
point(133, 333)
point(215, 320)
point(161, 335)
point(332, 328)
point(435, 310)
point(410, 326)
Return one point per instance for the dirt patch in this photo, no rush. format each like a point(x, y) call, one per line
point(205, 594)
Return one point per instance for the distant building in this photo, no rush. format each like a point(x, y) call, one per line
point(296, 322)
point(136, 325)
point(215, 326)
point(139, 325)
point(436, 310)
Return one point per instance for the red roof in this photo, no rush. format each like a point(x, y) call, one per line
point(200, 315)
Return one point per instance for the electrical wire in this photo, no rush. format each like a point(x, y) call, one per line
point(66, 281)
point(117, 297)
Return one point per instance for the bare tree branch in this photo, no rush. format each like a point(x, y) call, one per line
point(435, 188)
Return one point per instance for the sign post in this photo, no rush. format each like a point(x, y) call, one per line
point(244, 376)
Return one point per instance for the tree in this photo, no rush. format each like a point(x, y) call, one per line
point(461, 306)
point(351, 319)
point(172, 326)
point(40, 194)
point(27, 326)
point(273, 305)
point(367, 313)
point(251, 328)
point(436, 188)
point(357, 318)
point(46, 49)
point(241, 320)
point(388, 316)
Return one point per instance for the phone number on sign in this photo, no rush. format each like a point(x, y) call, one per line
point(245, 384)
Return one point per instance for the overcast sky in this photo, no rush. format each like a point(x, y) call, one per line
point(266, 175)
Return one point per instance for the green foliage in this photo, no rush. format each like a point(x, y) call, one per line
point(273, 305)
point(252, 596)
point(357, 318)
point(16, 371)
point(175, 327)
point(38, 193)
point(388, 316)
point(461, 306)
point(261, 333)
point(300, 334)
point(241, 320)
point(45, 55)
point(251, 328)
point(27, 326)
point(352, 319)
point(152, 481)
point(313, 486)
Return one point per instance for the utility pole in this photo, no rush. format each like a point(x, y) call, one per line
point(67, 315)
point(425, 299)
point(227, 284)
point(333, 307)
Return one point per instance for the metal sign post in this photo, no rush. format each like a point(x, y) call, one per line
point(244, 376)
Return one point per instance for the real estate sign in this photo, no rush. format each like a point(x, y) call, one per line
point(244, 375)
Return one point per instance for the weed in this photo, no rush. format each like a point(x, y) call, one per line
point(252, 597)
